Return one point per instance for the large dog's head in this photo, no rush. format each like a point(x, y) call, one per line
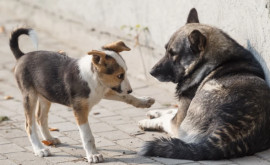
point(189, 47)
point(184, 47)
point(111, 67)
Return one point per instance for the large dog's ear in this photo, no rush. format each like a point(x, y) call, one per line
point(197, 41)
point(117, 46)
point(193, 16)
point(98, 57)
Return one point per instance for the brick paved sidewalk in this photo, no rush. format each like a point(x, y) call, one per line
point(114, 124)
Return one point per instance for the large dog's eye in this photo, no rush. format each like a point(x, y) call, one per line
point(121, 76)
point(172, 52)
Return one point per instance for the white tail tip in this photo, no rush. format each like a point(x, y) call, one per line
point(34, 38)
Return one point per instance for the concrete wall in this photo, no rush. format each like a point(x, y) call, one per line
point(88, 24)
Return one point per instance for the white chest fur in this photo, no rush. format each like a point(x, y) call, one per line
point(97, 89)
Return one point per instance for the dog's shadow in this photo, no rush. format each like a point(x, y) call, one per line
point(260, 60)
point(119, 155)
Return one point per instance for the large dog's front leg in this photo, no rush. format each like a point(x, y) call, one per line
point(141, 102)
point(166, 120)
point(81, 111)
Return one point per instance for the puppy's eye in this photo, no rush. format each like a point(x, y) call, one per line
point(121, 76)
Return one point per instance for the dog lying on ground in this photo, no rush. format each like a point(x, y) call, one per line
point(224, 111)
point(46, 77)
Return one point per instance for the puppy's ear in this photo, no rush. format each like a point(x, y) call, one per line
point(193, 16)
point(117, 46)
point(197, 41)
point(98, 56)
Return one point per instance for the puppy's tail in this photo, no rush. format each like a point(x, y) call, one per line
point(13, 42)
point(178, 149)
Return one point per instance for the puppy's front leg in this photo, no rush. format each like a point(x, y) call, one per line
point(81, 111)
point(141, 102)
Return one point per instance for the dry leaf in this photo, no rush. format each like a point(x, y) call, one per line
point(2, 29)
point(53, 129)
point(8, 97)
point(3, 118)
point(47, 143)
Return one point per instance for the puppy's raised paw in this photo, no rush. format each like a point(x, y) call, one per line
point(95, 158)
point(145, 102)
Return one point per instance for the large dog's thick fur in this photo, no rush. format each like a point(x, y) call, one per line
point(46, 77)
point(224, 108)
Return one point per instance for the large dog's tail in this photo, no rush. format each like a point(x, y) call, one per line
point(178, 149)
point(13, 42)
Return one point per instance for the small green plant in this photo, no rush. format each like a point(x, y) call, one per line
point(137, 31)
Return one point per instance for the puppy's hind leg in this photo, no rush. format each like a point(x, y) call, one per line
point(29, 102)
point(42, 111)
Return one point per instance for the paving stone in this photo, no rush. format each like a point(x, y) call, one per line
point(75, 135)
point(114, 135)
point(74, 162)
point(113, 105)
point(101, 127)
point(13, 133)
point(8, 148)
point(217, 162)
point(101, 142)
point(55, 119)
point(129, 128)
point(132, 112)
point(4, 141)
point(60, 157)
point(36, 161)
point(250, 160)
point(2, 157)
point(101, 112)
point(116, 150)
point(53, 150)
point(131, 143)
point(171, 161)
point(21, 141)
point(135, 159)
point(65, 126)
point(265, 155)
point(116, 120)
point(75, 150)
point(20, 156)
point(7, 162)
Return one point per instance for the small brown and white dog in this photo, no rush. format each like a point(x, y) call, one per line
point(46, 77)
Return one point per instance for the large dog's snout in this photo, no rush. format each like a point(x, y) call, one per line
point(153, 72)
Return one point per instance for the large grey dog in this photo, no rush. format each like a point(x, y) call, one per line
point(224, 110)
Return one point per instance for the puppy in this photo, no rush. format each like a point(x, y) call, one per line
point(223, 97)
point(46, 77)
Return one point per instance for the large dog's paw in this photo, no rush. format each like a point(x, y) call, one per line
point(150, 125)
point(42, 152)
point(145, 102)
point(95, 158)
point(153, 114)
point(160, 112)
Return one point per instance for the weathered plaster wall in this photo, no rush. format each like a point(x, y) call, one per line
point(88, 23)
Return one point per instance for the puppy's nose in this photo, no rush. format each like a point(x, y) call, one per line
point(130, 91)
